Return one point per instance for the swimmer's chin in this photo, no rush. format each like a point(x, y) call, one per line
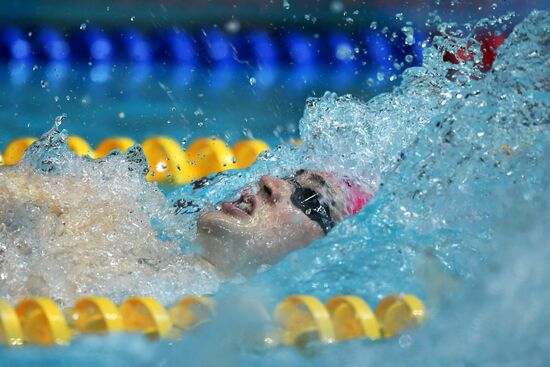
point(218, 220)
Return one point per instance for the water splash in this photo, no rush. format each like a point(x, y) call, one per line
point(54, 201)
point(463, 167)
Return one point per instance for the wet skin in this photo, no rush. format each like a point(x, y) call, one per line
point(261, 228)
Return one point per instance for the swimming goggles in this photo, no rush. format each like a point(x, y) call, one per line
point(308, 202)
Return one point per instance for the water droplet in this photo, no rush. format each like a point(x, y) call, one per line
point(60, 119)
point(409, 58)
point(252, 81)
point(286, 4)
point(232, 26)
point(83, 27)
point(336, 6)
point(405, 341)
point(161, 166)
point(409, 35)
point(132, 18)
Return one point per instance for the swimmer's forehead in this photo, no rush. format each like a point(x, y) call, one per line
point(320, 181)
point(327, 185)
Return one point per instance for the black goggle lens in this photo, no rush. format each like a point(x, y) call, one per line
point(308, 202)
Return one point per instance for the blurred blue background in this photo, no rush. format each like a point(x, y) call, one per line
point(188, 69)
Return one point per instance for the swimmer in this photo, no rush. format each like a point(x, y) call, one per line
point(67, 236)
point(285, 214)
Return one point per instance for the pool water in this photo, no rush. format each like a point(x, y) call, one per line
point(183, 104)
point(460, 220)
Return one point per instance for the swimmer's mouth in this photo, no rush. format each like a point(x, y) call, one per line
point(245, 206)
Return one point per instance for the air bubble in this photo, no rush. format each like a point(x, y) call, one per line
point(83, 27)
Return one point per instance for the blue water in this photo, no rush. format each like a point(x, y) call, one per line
point(183, 104)
point(461, 220)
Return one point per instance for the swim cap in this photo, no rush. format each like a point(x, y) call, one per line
point(356, 197)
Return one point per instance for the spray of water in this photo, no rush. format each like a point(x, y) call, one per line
point(460, 158)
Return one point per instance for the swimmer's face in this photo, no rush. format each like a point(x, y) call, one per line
point(263, 227)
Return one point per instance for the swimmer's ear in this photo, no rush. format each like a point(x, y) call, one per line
point(136, 159)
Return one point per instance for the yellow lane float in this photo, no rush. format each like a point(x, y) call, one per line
point(80, 146)
point(298, 320)
point(42, 322)
point(96, 315)
point(211, 155)
point(10, 327)
point(398, 312)
point(146, 315)
point(108, 145)
point(192, 311)
point(304, 319)
point(352, 318)
point(246, 152)
point(16, 149)
point(167, 161)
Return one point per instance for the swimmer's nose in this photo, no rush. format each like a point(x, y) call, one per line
point(272, 187)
